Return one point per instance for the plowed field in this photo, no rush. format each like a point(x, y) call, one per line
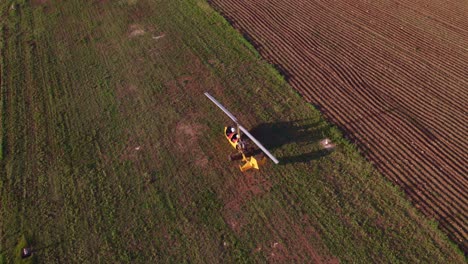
point(392, 74)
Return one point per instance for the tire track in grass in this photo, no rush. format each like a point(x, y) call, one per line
point(3, 129)
point(13, 123)
point(3, 94)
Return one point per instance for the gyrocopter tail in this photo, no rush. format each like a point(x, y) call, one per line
point(243, 142)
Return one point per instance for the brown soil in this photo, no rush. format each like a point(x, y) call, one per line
point(294, 241)
point(238, 191)
point(135, 31)
point(186, 135)
point(391, 74)
point(125, 91)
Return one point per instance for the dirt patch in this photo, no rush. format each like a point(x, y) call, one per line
point(136, 30)
point(186, 138)
point(125, 91)
point(131, 150)
point(277, 253)
point(217, 64)
point(202, 162)
point(186, 135)
point(185, 82)
point(141, 150)
point(199, 78)
point(180, 87)
point(242, 189)
point(294, 241)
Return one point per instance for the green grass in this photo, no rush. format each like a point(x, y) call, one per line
point(80, 94)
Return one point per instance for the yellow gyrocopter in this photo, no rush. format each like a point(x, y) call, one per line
point(246, 151)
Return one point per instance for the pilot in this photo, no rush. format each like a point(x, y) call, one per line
point(230, 131)
point(235, 138)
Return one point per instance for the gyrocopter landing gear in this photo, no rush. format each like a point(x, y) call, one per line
point(249, 162)
point(245, 144)
point(252, 162)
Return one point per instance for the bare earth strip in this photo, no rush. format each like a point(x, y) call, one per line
point(392, 74)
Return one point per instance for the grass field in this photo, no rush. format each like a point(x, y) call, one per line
point(111, 153)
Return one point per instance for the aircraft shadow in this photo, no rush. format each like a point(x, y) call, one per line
point(303, 133)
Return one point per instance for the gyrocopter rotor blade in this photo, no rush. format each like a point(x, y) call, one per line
point(246, 132)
